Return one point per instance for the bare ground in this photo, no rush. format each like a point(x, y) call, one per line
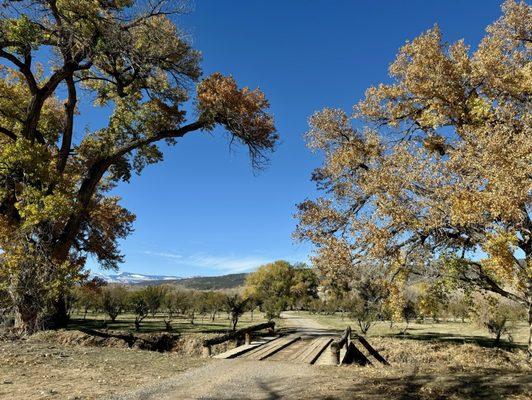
point(35, 369)
point(242, 379)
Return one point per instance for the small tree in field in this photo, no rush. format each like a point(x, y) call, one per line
point(251, 304)
point(138, 304)
point(173, 302)
point(214, 302)
point(432, 301)
point(367, 302)
point(273, 307)
point(408, 312)
point(460, 306)
point(154, 296)
point(498, 316)
point(190, 305)
point(114, 301)
point(89, 295)
point(236, 306)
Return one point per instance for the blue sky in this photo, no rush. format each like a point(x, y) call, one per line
point(203, 211)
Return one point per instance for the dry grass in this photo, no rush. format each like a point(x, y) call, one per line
point(40, 369)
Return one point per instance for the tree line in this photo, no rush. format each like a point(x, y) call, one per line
point(164, 301)
point(423, 303)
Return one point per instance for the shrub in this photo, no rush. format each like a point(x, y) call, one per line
point(498, 316)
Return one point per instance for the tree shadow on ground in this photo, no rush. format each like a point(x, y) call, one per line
point(485, 384)
point(148, 326)
point(481, 341)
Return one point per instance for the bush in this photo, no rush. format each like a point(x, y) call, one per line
point(498, 316)
point(272, 308)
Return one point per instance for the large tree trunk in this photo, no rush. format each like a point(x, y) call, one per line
point(26, 317)
point(60, 317)
point(26, 296)
point(530, 329)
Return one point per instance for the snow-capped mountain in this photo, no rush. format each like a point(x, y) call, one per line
point(132, 278)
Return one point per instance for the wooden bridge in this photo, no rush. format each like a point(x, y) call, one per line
point(309, 346)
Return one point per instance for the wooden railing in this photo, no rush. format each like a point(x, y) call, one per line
point(371, 350)
point(337, 345)
point(353, 354)
point(236, 335)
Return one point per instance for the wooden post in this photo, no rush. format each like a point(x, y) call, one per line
point(335, 354)
point(207, 351)
point(247, 337)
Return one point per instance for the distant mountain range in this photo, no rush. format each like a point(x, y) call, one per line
point(132, 278)
point(197, 282)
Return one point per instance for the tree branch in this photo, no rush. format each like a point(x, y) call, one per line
point(70, 107)
point(8, 133)
point(487, 283)
point(24, 68)
point(95, 174)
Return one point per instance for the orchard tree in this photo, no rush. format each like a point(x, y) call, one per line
point(214, 302)
point(440, 176)
point(154, 296)
point(236, 307)
point(173, 302)
point(114, 301)
point(366, 302)
point(139, 305)
point(89, 294)
point(132, 61)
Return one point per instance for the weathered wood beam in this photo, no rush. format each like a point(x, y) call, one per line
point(239, 333)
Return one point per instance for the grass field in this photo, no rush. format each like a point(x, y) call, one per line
point(453, 331)
point(180, 324)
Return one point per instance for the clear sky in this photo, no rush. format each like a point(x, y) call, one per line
point(203, 211)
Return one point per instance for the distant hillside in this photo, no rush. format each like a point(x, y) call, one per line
point(209, 282)
point(198, 282)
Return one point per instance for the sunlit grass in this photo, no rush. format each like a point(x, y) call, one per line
point(446, 330)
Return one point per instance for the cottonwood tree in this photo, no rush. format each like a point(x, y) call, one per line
point(442, 169)
point(280, 284)
point(131, 60)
